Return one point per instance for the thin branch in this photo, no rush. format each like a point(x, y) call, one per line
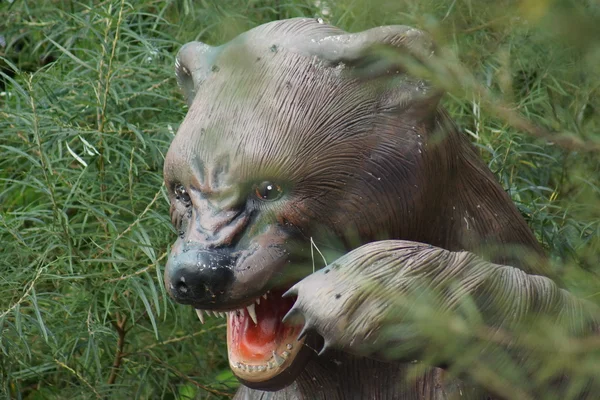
point(182, 338)
point(139, 271)
point(111, 58)
point(134, 223)
point(119, 325)
point(184, 376)
point(81, 378)
point(25, 295)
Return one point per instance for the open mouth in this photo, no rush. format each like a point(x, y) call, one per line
point(259, 344)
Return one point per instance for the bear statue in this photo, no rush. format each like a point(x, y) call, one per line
point(302, 139)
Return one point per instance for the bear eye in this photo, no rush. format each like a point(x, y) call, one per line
point(268, 191)
point(182, 195)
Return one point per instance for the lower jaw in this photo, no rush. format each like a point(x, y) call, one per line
point(282, 376)
point(259, 372)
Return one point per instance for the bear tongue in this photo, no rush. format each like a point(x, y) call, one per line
point(260, 351)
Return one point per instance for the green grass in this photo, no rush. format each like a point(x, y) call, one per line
point(89, 105)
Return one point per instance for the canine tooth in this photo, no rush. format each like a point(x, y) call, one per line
point(207, 313)
point(199, 314)
point(216, 314)
point(258, 301)
point(252, 313)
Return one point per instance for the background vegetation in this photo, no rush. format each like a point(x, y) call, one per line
point(89, 104)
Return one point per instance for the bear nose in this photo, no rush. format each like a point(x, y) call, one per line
point(199, 277)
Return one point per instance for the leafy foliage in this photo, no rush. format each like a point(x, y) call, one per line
point(90, 104)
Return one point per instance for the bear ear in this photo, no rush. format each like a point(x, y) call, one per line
point(400, 54)
point(192, 67)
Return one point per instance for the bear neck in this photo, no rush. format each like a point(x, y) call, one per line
point(473, 211)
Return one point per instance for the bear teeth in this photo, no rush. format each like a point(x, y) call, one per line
point(276, 361)
point(199, 314)
point(252, 312)
point(221, 314)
